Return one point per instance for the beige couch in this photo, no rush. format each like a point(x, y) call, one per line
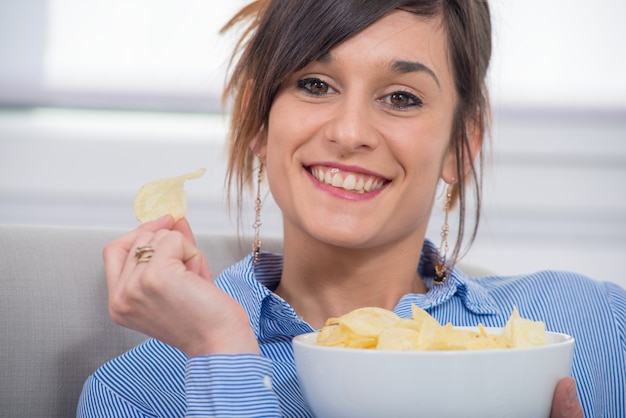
point(54, 325)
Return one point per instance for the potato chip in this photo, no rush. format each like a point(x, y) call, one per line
point(354, 340)
point(338, 335)
point(369, 322)
point(398, 338)
point(333, 335)
point(524, 332)
point(165, 196)
point(376, 328)
point(422, 317)
point(409, 323)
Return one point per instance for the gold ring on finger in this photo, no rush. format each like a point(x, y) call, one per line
point(144, 253)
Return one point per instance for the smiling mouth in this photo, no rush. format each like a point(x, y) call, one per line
point(353, 182)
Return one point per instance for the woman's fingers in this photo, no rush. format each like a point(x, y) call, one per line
point(116, 252)
point(173, 246)
point(142, 257)
point(198, 264)
point(184, 228)
point(170, 296)
point(119, 255)
point(195, 261)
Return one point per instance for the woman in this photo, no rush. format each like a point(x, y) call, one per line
point(356, 110)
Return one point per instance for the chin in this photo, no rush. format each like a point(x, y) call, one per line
point(344, 238)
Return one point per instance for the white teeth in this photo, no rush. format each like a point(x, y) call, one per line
point(351, 182)
point(328, 178)
point(359, 184)
point(337, 181)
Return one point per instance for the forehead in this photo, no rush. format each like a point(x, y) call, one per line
point(400, 41)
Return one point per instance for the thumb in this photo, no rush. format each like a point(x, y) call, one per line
point(565, 403)
point(198, 262)
point(184, 228)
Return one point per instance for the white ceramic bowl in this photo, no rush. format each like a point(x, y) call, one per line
point(344, 382)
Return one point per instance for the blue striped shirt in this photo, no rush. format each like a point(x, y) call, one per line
point(156, 380)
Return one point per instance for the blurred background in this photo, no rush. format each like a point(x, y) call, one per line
point(97, 98)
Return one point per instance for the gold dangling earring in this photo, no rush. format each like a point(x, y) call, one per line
point(441, 267)
point(258, 204)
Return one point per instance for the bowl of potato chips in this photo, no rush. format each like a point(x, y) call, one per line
point(371, 363)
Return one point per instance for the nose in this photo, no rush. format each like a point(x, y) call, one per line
point(352, 127)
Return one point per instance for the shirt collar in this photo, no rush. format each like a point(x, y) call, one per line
point(473, 296)
point(252, 285)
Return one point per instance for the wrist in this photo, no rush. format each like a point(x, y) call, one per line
point(238, 338)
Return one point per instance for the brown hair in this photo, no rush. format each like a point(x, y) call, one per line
point(283, 36)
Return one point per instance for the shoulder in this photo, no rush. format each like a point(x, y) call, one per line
point(546, 284)
point(564, 300)
point(553, 285)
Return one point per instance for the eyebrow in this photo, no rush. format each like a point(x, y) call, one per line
point(400, 67)
point(325, 58)
point(404, 67)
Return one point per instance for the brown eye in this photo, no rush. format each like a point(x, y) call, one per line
point(319, 87)
point(399, 99)
point(314, 86)
point(403, 100)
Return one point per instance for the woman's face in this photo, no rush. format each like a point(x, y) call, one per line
point(357, 140)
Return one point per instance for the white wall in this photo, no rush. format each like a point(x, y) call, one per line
point(168, 53)
point(559, 53)
point(554, 192)
point(139, 54)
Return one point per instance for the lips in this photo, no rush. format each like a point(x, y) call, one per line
point(347, 180)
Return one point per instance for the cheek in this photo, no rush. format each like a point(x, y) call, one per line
point(281, 144)
point(295, 119)
point(286, 114)
point(421, 147)
point(280, 131)
point(292, 130)
point(276, 180)
point(273, 168)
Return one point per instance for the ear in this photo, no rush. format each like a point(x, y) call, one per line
point(449, 172)
point(258, 144)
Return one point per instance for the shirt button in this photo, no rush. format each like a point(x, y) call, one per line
point(267, 382)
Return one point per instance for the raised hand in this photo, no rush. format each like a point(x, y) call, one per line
point(167, 292)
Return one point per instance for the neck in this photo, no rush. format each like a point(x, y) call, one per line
point(321, 281)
